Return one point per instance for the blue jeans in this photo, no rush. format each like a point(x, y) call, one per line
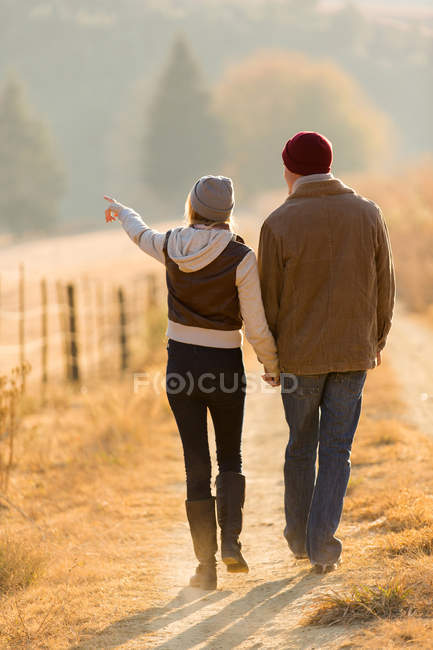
point(322, 412)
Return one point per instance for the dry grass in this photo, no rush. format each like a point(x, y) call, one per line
point(413, 629)
point(360, 604)
point(411, 541)
point(396, 634)
point(408, 509)
point(21, 563)
point(11, 393)
point(84, 487)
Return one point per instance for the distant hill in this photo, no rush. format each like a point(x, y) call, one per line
point(81, 62)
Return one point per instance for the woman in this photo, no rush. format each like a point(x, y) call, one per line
point(213, 287)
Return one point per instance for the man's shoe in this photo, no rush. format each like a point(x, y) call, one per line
point(326, 568)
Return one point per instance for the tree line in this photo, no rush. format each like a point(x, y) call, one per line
point(236, 127)
point(80, 60)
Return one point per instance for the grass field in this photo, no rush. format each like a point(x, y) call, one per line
point(97, 487)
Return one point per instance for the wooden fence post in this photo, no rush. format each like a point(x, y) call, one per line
point(136, 303)
point(44, 333)
point(74, 370)
point(142, 301)
point(123, 336)
point(87, 325)
point(21, 323)
point(100, 319)
point(152, 291)
point(63, 325)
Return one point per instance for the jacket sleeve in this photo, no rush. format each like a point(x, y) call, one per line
point(253, 314)
point(150, 241)
point(271, 270)
point(385, 283)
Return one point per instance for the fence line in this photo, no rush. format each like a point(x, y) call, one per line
point(76, 326)
point(22, 308)
point(44, 331)
point(34, 343)
point(52, 308)
point(35, 312)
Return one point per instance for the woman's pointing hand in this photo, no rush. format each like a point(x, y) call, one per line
point(113, 210)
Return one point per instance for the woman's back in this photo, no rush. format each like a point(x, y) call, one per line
point(201, 278)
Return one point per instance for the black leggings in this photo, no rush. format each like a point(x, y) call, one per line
point(201, 378)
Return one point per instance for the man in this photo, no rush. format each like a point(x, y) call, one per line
point(328, 289)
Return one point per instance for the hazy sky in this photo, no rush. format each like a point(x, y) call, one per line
point(390, 6)
point(388, 3)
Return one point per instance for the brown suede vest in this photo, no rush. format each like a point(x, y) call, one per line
point(206, 298)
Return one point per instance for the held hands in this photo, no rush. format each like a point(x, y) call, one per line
point(271, 378)
point(113, 210)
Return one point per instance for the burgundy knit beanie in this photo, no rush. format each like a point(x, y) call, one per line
point(307, 153)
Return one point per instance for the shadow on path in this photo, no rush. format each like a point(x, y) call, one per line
point(184, 604)
point(226, 628)
point(242, 617)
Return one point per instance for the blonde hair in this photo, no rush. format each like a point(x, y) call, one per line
point(192, 217)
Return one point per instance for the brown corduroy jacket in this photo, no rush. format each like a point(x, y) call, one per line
point(327, 279)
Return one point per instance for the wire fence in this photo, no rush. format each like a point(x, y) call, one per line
point(73, 330)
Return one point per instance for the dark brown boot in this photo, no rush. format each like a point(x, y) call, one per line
point(202, 523)
point(230, 502)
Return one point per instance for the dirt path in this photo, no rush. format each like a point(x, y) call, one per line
point(260, 610)
point(410, 351)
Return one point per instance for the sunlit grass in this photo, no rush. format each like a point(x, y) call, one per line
point(20, 563)
point(412, 541)
point(360, 604)
point(408, 509)
point(408, 632)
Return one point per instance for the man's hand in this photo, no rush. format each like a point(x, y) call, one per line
point(113, 210)
point(379, 359)
point(271, 378)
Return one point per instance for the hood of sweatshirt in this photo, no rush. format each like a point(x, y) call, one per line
point(194, 248)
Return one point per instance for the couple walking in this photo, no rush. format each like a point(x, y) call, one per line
point(317, 309)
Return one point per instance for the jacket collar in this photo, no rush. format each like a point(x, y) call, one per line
point(320, 188)
point(311, 178)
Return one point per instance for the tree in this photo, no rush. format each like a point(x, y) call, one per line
point(184, 137)
point(270, 96)
point(32, 179)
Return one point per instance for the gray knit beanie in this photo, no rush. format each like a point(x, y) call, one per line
point(213, 197)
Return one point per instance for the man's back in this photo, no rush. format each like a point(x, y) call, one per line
point(327, 279)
